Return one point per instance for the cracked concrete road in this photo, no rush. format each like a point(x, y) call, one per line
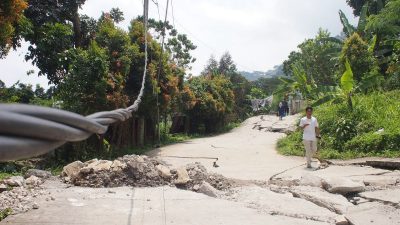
point(247, 153)
point(244, 153)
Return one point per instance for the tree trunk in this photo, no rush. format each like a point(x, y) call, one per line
point(76, 22)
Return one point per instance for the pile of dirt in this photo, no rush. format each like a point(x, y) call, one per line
point(140, 171)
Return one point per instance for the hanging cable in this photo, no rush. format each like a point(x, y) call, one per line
point(29, 130)
point(159, 72)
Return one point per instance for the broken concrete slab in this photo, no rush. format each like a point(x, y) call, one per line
point(391, 196)
point(310, 180)
point(393, 164)
point(343, 186)
point(273, 203)
point(334, 202)
point(373, 213)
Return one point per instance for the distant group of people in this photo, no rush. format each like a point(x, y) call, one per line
point(283, 109)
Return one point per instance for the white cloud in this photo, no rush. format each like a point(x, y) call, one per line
point(259, 34)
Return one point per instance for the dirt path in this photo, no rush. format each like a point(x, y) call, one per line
point(340, 194)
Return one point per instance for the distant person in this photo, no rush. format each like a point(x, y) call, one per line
point(286, 106)
point(281, 110)
point(311, 132)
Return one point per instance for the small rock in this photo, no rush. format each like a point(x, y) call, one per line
point(164, 171)
point(38, 173)
point(15, 181)
point(196, 187)
point(207, 189)
point(35, 206)
point(341, 220)
point(3, 187)
point(52, 198)
point(111, 192)
point(183, 176)
point(33, 181)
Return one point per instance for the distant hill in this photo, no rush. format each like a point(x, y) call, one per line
point(277, 71)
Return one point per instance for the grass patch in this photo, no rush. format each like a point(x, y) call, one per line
point(5, 175)
point(4, 213)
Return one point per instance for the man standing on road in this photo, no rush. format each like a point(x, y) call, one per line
point(310, 127)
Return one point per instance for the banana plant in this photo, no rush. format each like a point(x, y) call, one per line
point(298, 82)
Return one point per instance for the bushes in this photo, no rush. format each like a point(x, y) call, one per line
point(353, 133)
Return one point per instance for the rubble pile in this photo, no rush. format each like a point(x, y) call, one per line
point(19, 194)
point(141, 171)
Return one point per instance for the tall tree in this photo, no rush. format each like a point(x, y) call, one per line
point(11, 14)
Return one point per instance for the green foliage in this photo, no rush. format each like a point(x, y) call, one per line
point(86, 81)
point(354, 133)
point(315, 57)
point(214, 101)
point(362, 61)
point(388, 21)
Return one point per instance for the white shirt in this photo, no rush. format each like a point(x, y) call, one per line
point(309, 131)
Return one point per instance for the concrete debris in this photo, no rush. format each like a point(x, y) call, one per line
point(207, 189)
point(342, 185)
point(15, 181)
point(37, 173)
point(71, 170)
point(164, 171)
point(20, 199)
point(341, 220)
point(141, 171)
point(3, 187)
point(35, 206)
point(183, 176)
point(33, 181)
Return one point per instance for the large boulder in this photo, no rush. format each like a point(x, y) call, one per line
point(38, 173)
point(342, 185)
point(15, 181)
point(183, 176)
point(334, 202)
point(72, 170)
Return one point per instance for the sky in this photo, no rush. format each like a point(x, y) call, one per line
point(259, 34)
